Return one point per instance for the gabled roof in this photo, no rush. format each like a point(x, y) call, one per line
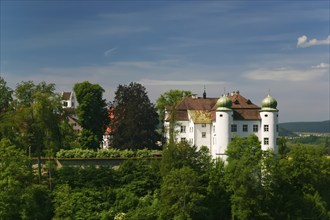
point(203, 110)
point(190, 103)
point(200, 116)
point(66, 95)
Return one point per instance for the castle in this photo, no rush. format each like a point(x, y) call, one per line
point(214, 122)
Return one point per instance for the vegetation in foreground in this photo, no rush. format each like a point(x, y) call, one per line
point(185, 184)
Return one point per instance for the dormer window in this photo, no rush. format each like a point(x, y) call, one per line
point(249, 102)
point(236, 102)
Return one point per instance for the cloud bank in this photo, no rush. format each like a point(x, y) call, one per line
point(304, 42)
point(288, 74)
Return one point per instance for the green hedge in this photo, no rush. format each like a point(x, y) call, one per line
point(107, 153)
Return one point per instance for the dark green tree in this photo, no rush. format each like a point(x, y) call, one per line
point(218, 199)
point(243, 175)
point(182, 195)
point(33, 120)
point(15, 176)
point(6, 95)
point(92, 110)
point(303, 183)
point(135, 118)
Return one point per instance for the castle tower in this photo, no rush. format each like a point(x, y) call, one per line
point(224, 117)
point(269, 124)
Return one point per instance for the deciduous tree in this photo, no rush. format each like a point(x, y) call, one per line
point(92, 112)
point(6, 95)
point(135, 118)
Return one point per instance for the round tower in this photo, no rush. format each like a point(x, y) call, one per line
point(224, 117)
point(269, 124)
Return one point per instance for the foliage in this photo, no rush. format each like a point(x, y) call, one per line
point(135, 118)
point(218, 199)
point(243, 174)
point(15, 176)
point(179, 155)
point(6, 95)
point(181, 194)
point(92, 112)
point(106, 153)
point(37, 203)
point(170, 99)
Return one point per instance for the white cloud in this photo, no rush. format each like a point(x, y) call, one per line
point(321, 66)
point(304, 42)
point(110, 51)
point(287, 74)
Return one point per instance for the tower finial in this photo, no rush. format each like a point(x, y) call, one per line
point(204, 93)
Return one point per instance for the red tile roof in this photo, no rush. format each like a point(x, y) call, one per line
point(66, 95)
point(243, 108)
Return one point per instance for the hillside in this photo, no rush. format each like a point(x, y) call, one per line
point(313, 127)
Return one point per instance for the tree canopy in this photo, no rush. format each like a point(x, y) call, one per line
point(6, 95)
point(135, 118)
point(170, 99)
point(92, 112)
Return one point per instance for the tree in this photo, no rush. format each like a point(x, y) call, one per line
point(243, 174)
point(135, 118)
point(33, 121)
point(15, 176)
point(168, 101)
point(181, 195)
point(218, 199)
point(303, 183)
point(6, 95)
point(92, 112)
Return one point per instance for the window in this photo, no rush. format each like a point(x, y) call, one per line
point(266, 128)
point(65, 104)
point(183, 129)
point(276, 128)
point(245, 128)
point(72, 104)
point(233, 128)
point(266, 141)
point(213, 128)
point(266, 115)
point(220, 115)
point(203, 125)
point(183, 139)
point(203, 134)
point(255, 128)
point(191, 129)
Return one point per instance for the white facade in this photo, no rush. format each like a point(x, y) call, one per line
point(230, 116)
point(69, 100)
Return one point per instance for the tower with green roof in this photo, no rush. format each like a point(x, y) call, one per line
point(269, 124)
point(224, 117)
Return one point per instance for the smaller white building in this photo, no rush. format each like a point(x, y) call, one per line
point(69, 100)
point(69, 103)
point(214, 122)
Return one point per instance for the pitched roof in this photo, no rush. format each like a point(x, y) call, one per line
point(203, 110)
point(66, 95)
point(190, 103)
point(200, 116)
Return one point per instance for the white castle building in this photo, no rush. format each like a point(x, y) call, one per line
point(214, 122)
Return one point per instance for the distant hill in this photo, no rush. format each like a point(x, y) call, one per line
point(312, 127)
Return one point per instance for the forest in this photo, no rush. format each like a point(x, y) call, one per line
point(185, 184)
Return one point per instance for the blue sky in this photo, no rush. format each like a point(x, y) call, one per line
point(251, 46)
